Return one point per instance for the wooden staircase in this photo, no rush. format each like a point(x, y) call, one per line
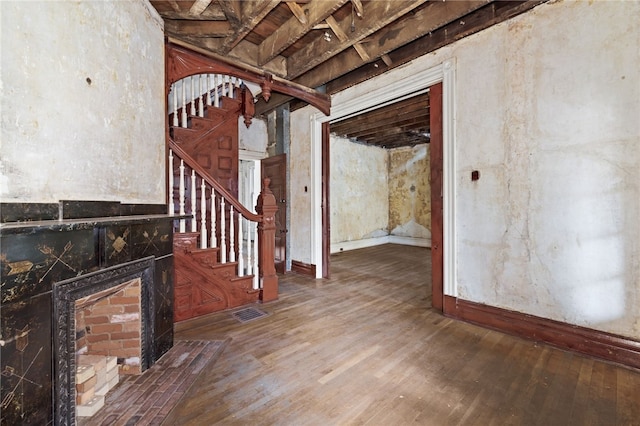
point(203, 284)
point(223, 253)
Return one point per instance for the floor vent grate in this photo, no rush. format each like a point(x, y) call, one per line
point(248, 314)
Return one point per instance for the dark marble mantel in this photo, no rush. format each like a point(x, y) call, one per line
point(36, 254)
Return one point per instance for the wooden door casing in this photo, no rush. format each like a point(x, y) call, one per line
point(436, 160)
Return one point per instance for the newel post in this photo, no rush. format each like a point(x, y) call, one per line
point(267, 207)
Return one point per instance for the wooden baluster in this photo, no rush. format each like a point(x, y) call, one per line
point(216, 94)
point(172, 206)
point(223, 237)
point(232, 237)
point(200, 97)
point(174, 102)
point(240, 247)
point(267, 207)
point(181, 196)
point(184, 104)
point(203, 215)
point(249, 252)
point(194, 226)
point(209, 89)
point(193, 96)
point(214, 241)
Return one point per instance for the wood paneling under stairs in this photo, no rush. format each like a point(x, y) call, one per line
point(364, 347)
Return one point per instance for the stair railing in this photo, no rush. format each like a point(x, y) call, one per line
point(220, 219)
point(190, 95)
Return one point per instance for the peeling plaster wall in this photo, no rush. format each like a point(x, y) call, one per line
point(547, 110)
point(551, 228)
point(359, 197)
point(300, 178)
point(410, 192)
point(82, 102)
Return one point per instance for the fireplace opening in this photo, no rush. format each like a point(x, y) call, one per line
point(107, 342)
point(104, 330)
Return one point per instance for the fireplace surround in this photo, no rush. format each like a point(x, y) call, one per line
point(47, 251)
point(65, 295)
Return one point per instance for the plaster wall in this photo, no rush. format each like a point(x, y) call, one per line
point(82, 102)
point(547, 110)
point(359, 197)
point(300, 212)
point(410, 192)
point(254, 138)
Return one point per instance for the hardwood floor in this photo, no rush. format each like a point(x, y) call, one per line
point(365, 348)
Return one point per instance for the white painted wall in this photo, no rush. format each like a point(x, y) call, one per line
point(548, 110)
point(66, 138)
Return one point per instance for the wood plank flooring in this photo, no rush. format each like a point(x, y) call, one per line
point(364, 348)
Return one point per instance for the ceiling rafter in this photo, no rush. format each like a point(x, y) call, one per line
point(199, 6)
point(298, 12)
point(420, 23)
point(287, 34)
point(202, 28)
point(253, 11)
point(173, 10)
point(377, 14)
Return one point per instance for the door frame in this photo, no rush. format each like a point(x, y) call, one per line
point(346, 104)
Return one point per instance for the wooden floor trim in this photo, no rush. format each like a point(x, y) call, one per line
point(303, 268)
point(595, 343)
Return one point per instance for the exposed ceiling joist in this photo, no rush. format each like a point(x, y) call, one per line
point(252, 13)
point(328, 45)
point(292, 30)
point(198, 7)
point(377, 15)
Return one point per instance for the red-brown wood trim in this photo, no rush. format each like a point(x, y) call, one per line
point(266, 206)
point(326, 223)
point(214, 183)
point(183, 60)
point(587, 341)
point(436, 166)
point(303, 268)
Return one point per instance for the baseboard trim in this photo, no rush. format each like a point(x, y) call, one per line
point(371, 242)
point(586, 341)
point(303, 268)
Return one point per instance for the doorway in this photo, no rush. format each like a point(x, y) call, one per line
point(345, 105)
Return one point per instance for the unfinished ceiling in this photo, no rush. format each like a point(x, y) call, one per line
point(401, 123)
point(327, 45)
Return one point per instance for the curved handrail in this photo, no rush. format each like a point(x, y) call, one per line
point(204, 175)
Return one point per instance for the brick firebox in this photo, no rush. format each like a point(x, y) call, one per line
point(109, 323)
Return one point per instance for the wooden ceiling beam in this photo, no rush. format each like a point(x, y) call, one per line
point(250, 15)
point(316, 11)
point(427, 19)
point(297, 11)
point(376, 16)
point(357, 5)
point(477, 20)
point(199, 6)
point(173, 10)
point(197, 28)
point(418, 119)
